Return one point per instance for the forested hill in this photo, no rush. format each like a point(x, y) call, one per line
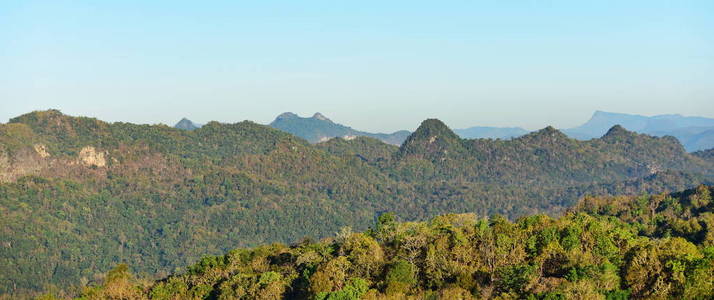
point(625, 247)
point(544, 157)
point(79, 195)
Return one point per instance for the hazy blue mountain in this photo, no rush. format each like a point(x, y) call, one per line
point(695, 133)
point(319, 128)
point(693, 138)
point(479, 132)
point(187, 124)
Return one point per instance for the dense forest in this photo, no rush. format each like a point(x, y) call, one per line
point(79, 195)
point(624, 247)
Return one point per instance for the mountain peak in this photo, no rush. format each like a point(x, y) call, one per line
point(617, 130)
point(320, 116)
point(434, 127)
point(186, 124)
point(287, 115)
point(433, 139)
point(548, 133)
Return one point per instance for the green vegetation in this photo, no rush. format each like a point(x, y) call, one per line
point(606, 248)
point(79, 196)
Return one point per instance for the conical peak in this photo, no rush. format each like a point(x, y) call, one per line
point(432, 130)
point(549, 131)
point(549, 134)
point(433, 139)
point(617, 130)
point(187, 124)
point(184, 120)
point(433, 127)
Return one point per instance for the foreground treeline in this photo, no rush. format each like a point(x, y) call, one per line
point(652, 247)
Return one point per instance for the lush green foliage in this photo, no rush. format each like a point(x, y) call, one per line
point(606, 248)
point(78, 195)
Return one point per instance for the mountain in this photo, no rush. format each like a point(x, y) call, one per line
point(433, 140)
point(694, 138)
point(319, 128)
point(187, 124)
point(480, 132)
point(695, 133)
point(79, 195)
point(625, 247)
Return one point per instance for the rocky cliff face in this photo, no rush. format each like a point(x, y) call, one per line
point(89, 156)
point(27, 161)
point(37, 160)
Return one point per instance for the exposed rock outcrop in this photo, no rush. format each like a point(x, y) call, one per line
point(89, 156)
point(41, 150)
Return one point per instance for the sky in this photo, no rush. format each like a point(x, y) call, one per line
point(373, 65)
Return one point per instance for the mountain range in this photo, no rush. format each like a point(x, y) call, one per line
point(695, 133)
point(319, 128)
point(79, 195)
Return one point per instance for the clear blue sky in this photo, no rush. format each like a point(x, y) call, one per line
point(374, 65)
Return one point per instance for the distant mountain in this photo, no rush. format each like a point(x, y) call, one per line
point(479, 132)
point(695, 133)
point(319, 128)
point(693, 138)
point(187, 124)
